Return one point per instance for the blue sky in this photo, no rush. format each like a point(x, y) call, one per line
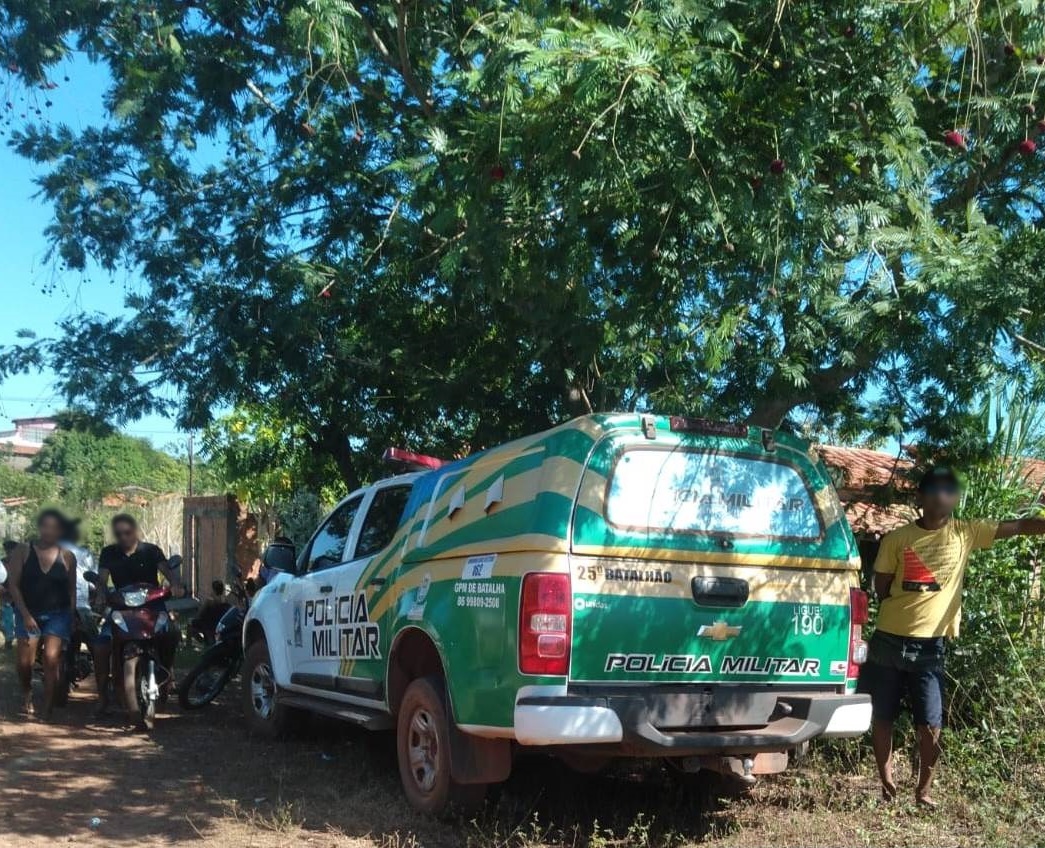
point(34, 291)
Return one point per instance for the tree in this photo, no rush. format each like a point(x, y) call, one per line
point(446, 223)
point(93, 460)
point(266, 462)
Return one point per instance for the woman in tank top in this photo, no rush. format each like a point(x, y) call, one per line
point(42, 582)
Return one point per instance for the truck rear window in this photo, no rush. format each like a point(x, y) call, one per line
point(707, 493)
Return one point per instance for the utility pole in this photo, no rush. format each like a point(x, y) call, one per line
point(191, 464)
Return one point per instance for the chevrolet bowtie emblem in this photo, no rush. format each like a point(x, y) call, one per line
point(719, 631)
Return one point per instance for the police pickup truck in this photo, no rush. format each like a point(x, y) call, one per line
point(620, 586)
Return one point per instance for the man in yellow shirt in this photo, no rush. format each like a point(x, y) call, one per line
point(918, 578)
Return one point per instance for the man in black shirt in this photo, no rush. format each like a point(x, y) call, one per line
point(127, 562)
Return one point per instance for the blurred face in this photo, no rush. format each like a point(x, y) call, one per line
point(126, 535)
point(49, 529)
point(939, 500)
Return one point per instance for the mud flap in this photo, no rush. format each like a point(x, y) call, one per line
point(475, 759)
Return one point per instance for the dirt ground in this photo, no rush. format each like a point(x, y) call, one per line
point(198, 779)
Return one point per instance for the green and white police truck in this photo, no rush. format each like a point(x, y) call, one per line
point(623, 585)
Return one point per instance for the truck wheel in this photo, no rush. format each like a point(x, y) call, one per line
point(265, 715)
point(423, 748)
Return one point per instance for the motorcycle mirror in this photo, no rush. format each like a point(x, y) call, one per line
point(279, 557)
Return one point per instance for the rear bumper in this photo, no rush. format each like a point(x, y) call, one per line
point(632, 724)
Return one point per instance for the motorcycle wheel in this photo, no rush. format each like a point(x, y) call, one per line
point(136, 689)
point(146, 692)
point(207, 679)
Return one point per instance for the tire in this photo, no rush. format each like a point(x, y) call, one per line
point(423, 751)
point(208, 678)
point(134, 697)
point(264, 714)
point(146, 702)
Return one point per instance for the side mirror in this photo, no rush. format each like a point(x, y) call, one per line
point(280, 557)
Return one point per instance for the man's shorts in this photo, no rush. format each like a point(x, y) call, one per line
point(55, 623)
point(899, 666)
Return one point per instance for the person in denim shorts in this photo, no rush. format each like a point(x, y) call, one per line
point(42, 582)
point(918, 578)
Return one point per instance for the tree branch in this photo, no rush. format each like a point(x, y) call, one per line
point(781, 397)
point(403, 65)
point(404, 59)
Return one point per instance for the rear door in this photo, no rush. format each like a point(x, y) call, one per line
point(364, 644)
point(708, 559)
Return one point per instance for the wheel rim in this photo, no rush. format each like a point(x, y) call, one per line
point(423, 750)
point(262, 690)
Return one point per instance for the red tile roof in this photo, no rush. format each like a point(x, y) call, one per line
point(861, 469)
point(1035, 471)
point(876, 488)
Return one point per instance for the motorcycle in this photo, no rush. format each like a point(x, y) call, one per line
point(221, 661)
point(138, 631)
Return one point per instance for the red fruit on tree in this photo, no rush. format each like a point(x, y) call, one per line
point(756, 183)
point(497, 173)
point(1027, 147)
point(850, 31)
point(1010, 49)
point(777, 166)
point(953, 138)
point(326, 293)
point(1028, 109)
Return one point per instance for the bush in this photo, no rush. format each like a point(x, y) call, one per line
point(997, 703)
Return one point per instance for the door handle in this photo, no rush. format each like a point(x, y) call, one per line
point(377, 581)
point(326, 590)
point(720, 591)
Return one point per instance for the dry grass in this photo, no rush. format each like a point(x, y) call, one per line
point(197, 779)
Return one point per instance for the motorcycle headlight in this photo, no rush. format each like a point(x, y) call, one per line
point(162, 620)
point(135, 598)
point(119, 621)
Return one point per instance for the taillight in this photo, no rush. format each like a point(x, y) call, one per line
point(857, 619)
point(545, 617)
point(858, 606)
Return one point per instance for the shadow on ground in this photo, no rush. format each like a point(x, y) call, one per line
point(198, 776)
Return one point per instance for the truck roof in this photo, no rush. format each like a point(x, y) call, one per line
point(521, 495)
